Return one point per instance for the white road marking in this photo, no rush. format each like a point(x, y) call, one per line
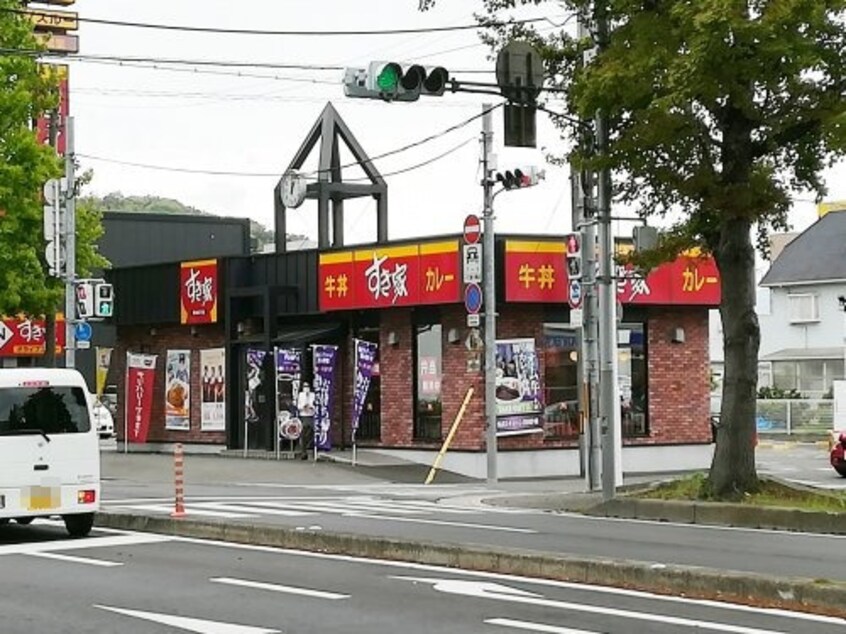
point(536, 627)
point(200, 626)
point(533, 581)
point(77, 560)
point(251, 509)
point(190, 509)
point(258, 585)
point(416, 520)
point(131, 539)
point(495, 591)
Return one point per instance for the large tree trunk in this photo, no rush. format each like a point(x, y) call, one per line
point(733, 467)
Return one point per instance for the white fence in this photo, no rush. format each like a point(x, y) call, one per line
point(789, 416)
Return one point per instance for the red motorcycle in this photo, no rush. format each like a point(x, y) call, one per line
point(838, 455)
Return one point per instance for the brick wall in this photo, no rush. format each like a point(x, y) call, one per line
point(678, 376)
point(396, 367)
point(139, 339)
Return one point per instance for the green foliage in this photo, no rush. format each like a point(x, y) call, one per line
point(768, 392)
point(25, 93)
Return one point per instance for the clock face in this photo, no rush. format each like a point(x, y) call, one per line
point(293, 189)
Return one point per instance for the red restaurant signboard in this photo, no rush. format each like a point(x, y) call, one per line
point(25, 337)
point(198, 292)
point(535, 272)
point(381, 277)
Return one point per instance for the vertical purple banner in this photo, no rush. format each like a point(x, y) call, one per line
point(324, 381)
point(288, 376)
point(365, 357)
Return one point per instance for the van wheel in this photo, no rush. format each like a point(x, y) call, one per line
point(79, 525)
point(25, 521)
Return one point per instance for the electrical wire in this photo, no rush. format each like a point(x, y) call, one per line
point(422, 163)
point(233, 31)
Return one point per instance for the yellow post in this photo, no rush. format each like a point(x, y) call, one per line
point(448, 440)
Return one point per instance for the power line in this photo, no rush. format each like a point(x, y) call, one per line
point(233, 31)
point(424, 163)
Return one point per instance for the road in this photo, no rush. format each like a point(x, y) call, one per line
point(804, 463)
point(137, 583)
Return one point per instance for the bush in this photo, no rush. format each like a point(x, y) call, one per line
point(777, 392)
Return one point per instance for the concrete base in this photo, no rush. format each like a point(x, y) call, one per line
point(167, 447)
point(555, 463)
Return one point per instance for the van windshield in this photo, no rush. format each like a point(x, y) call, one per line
point(45, 410)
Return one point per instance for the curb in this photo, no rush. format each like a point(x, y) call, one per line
point(806, 595)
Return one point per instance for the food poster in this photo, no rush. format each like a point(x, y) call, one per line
point(519, 405)
point(213, 384)
point(178, 390)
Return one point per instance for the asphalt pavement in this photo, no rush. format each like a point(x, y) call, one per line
point(379, 508)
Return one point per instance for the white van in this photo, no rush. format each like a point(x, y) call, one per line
point(49, 448)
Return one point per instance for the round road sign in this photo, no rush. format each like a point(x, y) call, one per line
point(82, 331)
point(473, 298)
point(574, 293)
point(472, 229)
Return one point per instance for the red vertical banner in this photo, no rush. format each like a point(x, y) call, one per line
point(140, 374)
point(42, 124)
point(198, 292)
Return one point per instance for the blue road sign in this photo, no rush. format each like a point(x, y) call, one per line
point(473, 298)
point(82, 330)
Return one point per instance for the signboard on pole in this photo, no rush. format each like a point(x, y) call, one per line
point(472, 229)
point(472, 258)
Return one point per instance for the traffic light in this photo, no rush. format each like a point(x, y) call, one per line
point(391, 81)
point(520, 177)
point(84, 299)
point(104, 300)
point(573, 242)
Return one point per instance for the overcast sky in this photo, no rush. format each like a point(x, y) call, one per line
point(229, 123)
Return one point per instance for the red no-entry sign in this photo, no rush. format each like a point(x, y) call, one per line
point(472, 229)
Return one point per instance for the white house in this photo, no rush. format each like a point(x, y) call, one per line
point(803, 329)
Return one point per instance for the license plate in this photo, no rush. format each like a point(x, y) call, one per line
point(43, 498)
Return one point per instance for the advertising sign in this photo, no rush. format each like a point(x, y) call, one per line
point(26, 337)
point(255, 359)
point(198, 292)
point(407, 275)
point(103, 360)
point(288, 379)
point(140, 373)
point(324, 382)
point(534, 271)
point(178, 390)
point(213, 386)
point(365, 359)
point(42, 124)
point(518, 388)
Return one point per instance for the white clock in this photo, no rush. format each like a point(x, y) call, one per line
point(293, 190)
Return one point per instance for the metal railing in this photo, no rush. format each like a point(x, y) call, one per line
point(795, 416)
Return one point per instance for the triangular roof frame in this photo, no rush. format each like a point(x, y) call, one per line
point(329, 129)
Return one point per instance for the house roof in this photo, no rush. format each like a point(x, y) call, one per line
point(801, 354)
point(818, 254)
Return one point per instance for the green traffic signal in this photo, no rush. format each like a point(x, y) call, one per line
point(388, 79)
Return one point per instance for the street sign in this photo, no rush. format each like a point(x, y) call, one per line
point(472, 263)
point(83, 345)
point(577, 317)
point(83, 331)
point(474, 320)
point(574, 293)
point(60, 21)
point(52, 190)
point(472, 229)
point(473, 298)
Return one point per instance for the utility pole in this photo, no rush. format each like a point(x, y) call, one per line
point(70, 246)
point(608, 402)
point(489, 293)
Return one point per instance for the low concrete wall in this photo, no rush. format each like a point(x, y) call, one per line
point(808, 595)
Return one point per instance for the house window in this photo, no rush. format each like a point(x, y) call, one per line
point(632, 379)
point(804, 308)
point(428, 365)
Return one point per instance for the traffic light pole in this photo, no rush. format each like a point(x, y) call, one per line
point(70, 246)
point(490, 294)
point(608, 401)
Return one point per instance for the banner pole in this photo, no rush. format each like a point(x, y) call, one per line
point(436, 465)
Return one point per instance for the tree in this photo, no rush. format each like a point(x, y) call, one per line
point(719, 110)
point(28, 90)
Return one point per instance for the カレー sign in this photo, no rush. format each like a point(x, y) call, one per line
point(198, 292)
point(406, 275)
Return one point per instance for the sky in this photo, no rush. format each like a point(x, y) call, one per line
point(252, 121)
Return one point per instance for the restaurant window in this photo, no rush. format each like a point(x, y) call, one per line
point(561, 381)
point(632, 379)
point(428, 367)
point(370, 422)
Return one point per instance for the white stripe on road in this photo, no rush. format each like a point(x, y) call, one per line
point(199, 626)
point(190, 510)
point(77, 560)
point(414, 520)
point(239, 508)
point(536, 627)
point(258, 585)
point(132, 539)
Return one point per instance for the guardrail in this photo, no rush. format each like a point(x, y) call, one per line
point(795, 416)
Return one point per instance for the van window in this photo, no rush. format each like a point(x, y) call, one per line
point(51, 410)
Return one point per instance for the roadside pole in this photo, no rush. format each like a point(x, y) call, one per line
point(70, 246)
point(489, 295)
